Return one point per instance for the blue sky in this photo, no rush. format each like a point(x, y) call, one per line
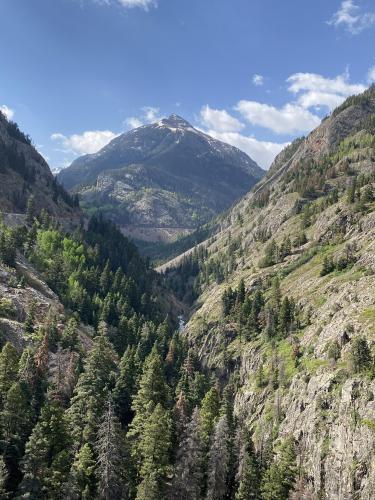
point(255, 73)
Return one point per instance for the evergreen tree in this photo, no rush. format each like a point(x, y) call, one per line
point(152, 391)
point(154, 447)
point(328, 266)
point(91, 392)
point(279, 478)
point(218, 464)
point(188, 477)
point(125, 386)
point(360, 355)
point(46, 460)
point(8, 369)
point(16, 424)
point(110, 452)
point(30, 210)
point(248, 473)
point(208, 415)
point(82, 475)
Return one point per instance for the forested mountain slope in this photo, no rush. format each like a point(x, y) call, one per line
point(283, 304)
point(25, 175)
point(100, 396)
point(161, 180)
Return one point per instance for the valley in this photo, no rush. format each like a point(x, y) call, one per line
point(242, 367)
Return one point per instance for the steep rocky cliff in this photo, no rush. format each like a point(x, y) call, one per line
point(285, 304)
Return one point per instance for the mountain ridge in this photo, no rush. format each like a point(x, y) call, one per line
point(282, 296)
point(164, 175)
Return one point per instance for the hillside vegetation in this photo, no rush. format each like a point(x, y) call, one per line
point(283, 306)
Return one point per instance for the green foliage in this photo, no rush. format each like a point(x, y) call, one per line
point(279, 478)
point(154, 448)
point(360, 355)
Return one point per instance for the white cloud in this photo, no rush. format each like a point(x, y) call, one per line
point(258, 80)
point(89, 142)
point(351, 18)
point(263, 152)
point(129, 4)
point(315, 90)
point(318, 99)
point(219, 120)
point(133, 122)
point(318, 83)
point(145, 4)
point(8, 112)
point(371, 75)
point(149, 114)
point(289, 119)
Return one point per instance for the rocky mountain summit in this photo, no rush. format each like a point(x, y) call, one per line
point(283, 305)
point(161, 180)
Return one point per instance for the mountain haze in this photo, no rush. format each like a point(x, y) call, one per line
point(162, 179)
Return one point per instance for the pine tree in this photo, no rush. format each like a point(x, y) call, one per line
point(30, 210)
point(188, 478)
point(360, 355)
point(69, 337)
point(152, 391)
point(16, 424)
point(91, 392)
point(154, 447)
point(181, 415)
point(328, 266)
point(248, 473)
point(82, 475)
point(218, 464)
point(279, 478)
point(208, 415)
point(46, 460)
point(110, 452)
point(8, 369)
point(125, 387)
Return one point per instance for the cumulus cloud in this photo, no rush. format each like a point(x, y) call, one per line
point(149, 114)
point(218, 123)
point(258, 80)
point(314, 82)
point(352, 18)
point(263, 152)
point(8, 112)
point(289, 119)
point(219, 120)
point(87, 143)
point(315, 90)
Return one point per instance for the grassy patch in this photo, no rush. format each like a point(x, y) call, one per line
point(312, 365)
point(370, 423)
point(367, 315)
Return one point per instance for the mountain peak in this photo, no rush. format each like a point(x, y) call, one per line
point(175, 121)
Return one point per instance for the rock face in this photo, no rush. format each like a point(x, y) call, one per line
point(24, 173)
point(309, 392)
point(163, 179)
